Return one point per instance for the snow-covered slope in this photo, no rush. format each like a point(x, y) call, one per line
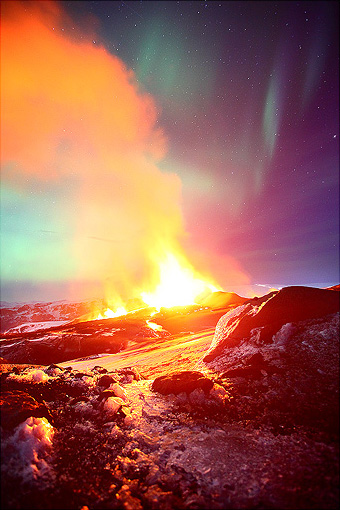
point(13, 315)
point(29, 327)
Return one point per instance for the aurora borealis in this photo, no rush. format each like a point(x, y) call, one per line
point(214, 123)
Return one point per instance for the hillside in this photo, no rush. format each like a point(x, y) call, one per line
point(215, 409)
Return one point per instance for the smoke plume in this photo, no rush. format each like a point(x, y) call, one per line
point(74, 119)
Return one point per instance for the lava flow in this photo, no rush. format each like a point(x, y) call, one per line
point(179, 284)
point(110, 314)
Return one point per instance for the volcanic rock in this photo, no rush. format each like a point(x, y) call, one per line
point(105, 394)
point(244, 371)
point(99, 369)
point(292, 380)
point(81, 398)
point(118, 390)
point(79, 375)
point(268, 439)
point(180, 382)
point(16, 406)
point(112, 405)
point(290, 304)
point(54, 370)
point(131, 373)
point(197, 396)
point(106, 380)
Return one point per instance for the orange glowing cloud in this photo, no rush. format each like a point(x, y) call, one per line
point(73, 116)
point(61, 95)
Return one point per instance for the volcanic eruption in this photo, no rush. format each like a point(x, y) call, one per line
point(136, 382)
point(78, 131)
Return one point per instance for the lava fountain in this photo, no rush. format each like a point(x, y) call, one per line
point(179, 284)
point(176, 283)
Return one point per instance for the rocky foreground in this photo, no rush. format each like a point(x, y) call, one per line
point(250, 421)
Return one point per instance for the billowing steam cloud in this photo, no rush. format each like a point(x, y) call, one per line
point(74, 119)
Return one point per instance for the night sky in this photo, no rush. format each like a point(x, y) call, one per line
point(236, 142)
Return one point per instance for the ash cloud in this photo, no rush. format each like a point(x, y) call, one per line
point(74, 119)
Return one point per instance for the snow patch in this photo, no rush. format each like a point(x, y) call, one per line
point(30, 375)
point(227, 324)
point(25, 452)
point(284, 334)
point(29, 327)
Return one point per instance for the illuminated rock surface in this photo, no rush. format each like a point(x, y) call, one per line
point(262, 431)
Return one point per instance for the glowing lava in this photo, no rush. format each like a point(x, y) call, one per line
point(110, 314)
point(179, 285)
point(176, 283)
point(154, 326)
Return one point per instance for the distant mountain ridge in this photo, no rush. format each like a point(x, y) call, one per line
point(17, 314)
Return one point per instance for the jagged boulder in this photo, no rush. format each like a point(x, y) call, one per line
point(16, 406)
point(182, 382)
point(106, 380)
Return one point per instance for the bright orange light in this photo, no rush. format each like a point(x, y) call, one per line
point(110, 314)
point(179, 284)
point(176, 283)
point(154, 326)
point(74, 116)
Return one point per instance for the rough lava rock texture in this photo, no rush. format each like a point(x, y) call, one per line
point(182, 382)
point(155, 452)
point(256, 426)
point(280, 361)
point(269, 314)
point(16, 406)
